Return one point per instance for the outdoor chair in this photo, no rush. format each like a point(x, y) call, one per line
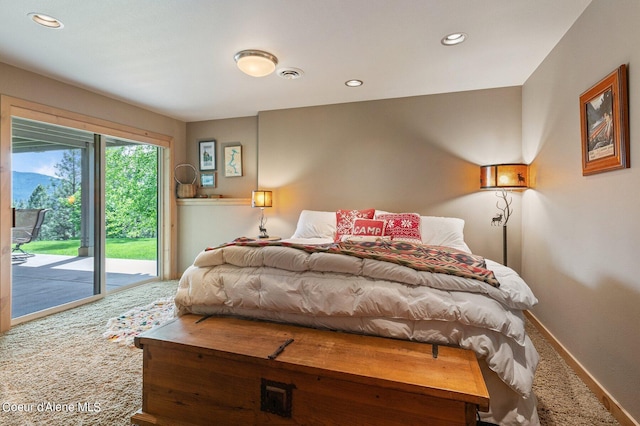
point(27, 228)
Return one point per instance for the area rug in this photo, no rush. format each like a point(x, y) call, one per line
point(125, 327)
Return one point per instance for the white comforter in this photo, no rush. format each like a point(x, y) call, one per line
point(369, 296)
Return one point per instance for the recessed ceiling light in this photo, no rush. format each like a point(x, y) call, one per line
point(353, 83)
point(45, 20)
point(453, 39)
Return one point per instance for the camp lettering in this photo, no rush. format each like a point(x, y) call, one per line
point(367, 230)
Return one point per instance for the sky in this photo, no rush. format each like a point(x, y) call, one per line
point(36, 162)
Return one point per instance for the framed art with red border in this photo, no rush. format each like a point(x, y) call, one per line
point(604, 124)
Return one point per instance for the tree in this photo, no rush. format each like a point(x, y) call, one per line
point(64, 218)
point(131, 191)
point(131, 194)
point(39, 198)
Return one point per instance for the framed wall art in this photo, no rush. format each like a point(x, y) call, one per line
point(208, 180)
point(232, 160)
point(604, 124)
point(207, 155)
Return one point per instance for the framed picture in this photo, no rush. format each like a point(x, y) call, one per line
point(604, 124)
point(208, 180)
point(232, 160)
point(207, 155)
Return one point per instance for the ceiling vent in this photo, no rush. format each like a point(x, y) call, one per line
point(290, 73)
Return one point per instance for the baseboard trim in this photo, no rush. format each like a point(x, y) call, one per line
point(610, 403)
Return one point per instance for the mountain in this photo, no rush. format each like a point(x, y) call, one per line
point(25, 182)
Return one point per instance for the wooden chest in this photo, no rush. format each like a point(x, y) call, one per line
point(242, 372)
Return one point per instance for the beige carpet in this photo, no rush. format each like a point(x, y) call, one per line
point(563, 399)
point(63, 359)
point(63, 371)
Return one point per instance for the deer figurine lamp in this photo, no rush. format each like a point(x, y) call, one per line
point(503, 178)
point(262, 199)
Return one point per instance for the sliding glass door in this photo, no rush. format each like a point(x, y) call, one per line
point(99, 196)
point(131, 212)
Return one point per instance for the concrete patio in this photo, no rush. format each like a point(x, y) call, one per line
point(45, 281)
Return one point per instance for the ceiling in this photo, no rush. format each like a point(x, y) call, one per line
point(175, 57)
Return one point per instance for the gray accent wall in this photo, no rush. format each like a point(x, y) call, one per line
point(418, 154)
point(581, 238)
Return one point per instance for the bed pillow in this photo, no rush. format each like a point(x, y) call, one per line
point(364, 238)
point(368, 227)
point(402, 226)
point(443, 231)
point(345, 219)
point(315, 224)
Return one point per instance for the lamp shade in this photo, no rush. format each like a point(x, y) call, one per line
point(256, 63)
point(504, 176)
point(261, 199)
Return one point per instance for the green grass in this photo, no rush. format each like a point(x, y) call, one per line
point(116, 248)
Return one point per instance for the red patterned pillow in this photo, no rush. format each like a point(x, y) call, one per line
point(369, 227)
point(402, 226)
point(345, 219)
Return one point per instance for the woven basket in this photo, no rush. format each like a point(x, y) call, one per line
point(186, 190)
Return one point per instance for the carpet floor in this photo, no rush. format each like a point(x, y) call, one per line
point(60, 370)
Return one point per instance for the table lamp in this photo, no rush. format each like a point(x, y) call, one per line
point(261, 199)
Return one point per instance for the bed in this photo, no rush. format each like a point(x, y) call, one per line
point(397, 275)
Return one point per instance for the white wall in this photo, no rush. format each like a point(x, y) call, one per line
point(581, 241)
point(208, 224)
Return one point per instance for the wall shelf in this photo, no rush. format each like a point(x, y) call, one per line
point(214, 201)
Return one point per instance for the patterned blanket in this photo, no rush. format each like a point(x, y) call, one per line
point(420, 257)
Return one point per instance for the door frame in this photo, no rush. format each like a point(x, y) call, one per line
point(167, 233)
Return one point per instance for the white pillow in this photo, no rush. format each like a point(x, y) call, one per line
point(363, 238)
point(437, 231)
point(443, 231)
point(315, 224)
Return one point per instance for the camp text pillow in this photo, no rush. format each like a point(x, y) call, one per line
point(346, 218)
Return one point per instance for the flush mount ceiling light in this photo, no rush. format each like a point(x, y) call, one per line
point(353, 83)
point(256, 63)
point(453, 39)
point(45, 20)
